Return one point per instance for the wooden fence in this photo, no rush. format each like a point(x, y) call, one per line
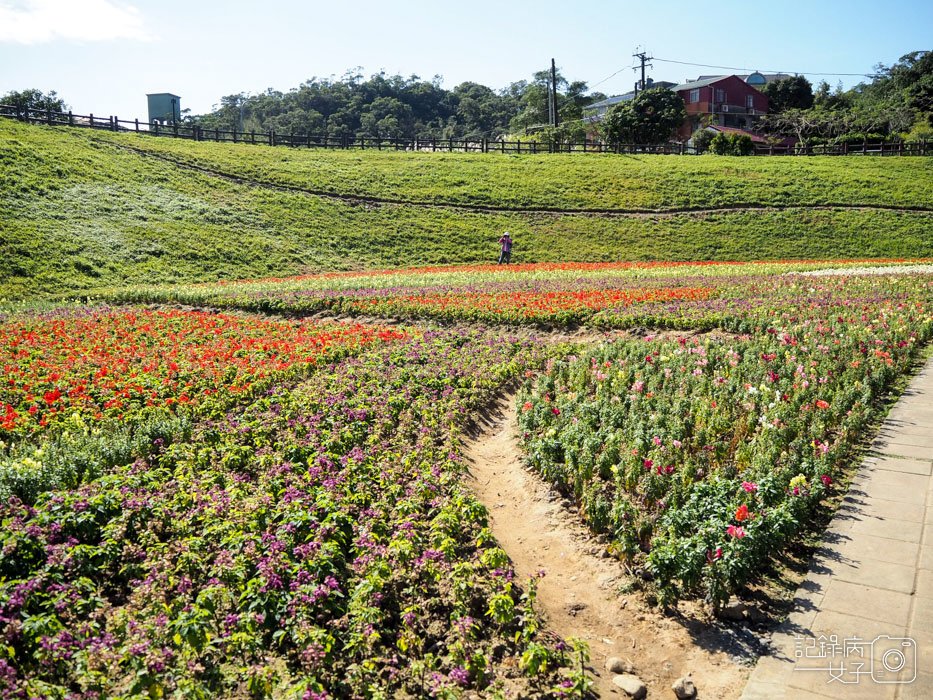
point(271, 138)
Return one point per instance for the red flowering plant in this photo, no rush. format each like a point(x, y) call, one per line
point(107, 385)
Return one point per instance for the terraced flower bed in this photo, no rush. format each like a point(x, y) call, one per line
point(612, 295)
point(217, 504)
point(702, 457)
point(85, 389)
point(312, 542)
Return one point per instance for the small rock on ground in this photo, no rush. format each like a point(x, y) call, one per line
point(684, 689)
point(631, 685)
point(616, 665)
point(734, 610)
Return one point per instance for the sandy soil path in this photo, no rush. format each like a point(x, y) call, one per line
point(578, 596)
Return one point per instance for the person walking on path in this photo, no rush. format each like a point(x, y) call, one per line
point(505, 254)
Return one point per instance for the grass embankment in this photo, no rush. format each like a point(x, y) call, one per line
point(567, 181)
point(79, 212)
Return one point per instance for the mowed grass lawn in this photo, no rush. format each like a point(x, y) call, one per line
point(79, 212)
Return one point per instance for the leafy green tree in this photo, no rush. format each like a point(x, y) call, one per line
point(723, 144)
point(701, 140)
point(35, 99)
point(650, 118)
point(789, 93)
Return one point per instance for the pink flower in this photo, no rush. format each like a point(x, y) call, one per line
point(826, 479)
point(750, 487)
point(712, 556)
point(656, 440)
point(741, 513)
point(555, 411)
point(648, 463)
point(735, 531)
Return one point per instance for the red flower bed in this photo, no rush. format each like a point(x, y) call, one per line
point(112, 363)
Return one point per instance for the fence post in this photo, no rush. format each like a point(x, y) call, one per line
point(71, 121)
point(137, 125)
point(234, 134)
point(91, 118)
point(116, 123)
point(272, 137)
point(48, 115)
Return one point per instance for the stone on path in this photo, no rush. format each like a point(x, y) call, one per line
point(734, 610)
point(616, 665)
point(684, 688)
point(631, 685)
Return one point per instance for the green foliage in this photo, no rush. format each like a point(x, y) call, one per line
point(723, 144)
point(702, 139)
point(898, 98)
point(788, 93)
point(386, 106)
point(650, 118)
point(34, 99)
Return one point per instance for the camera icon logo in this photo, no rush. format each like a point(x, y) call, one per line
point(893, 659)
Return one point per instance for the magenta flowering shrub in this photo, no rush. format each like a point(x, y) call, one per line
point(701, 457)
point(316, 543)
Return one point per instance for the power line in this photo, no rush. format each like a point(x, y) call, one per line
point(751, 70)
point(611, 76)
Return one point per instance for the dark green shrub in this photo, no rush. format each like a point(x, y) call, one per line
point(732, 145)
point(701, 140)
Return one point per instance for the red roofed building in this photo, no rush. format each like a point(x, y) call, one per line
point(722, 100)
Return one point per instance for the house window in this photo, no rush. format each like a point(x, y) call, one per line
point(720, 95)
point(694, 95)
point(749, 101)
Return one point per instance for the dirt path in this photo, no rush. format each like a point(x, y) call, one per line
point(578, 595)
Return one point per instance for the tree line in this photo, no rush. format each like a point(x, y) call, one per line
point(896, 103)
point(395, 107)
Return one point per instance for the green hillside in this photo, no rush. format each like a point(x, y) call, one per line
point(81, 210)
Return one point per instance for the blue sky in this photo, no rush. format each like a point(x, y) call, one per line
point(103, 56)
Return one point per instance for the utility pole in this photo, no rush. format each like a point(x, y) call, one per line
point(645, 59)
point(555, 117)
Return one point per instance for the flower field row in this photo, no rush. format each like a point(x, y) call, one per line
point(111, 363)
point(560, 306)
point(701, 458)
point(67, 374)
point(315, 543)
point(615, 295)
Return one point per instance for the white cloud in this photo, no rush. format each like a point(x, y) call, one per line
point(38, 21)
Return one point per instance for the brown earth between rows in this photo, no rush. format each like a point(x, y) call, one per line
point(579, 595)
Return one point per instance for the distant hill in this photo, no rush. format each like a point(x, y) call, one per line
point(82, 209)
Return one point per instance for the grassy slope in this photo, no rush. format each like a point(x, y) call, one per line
point(569, 181)
point(76, 213)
